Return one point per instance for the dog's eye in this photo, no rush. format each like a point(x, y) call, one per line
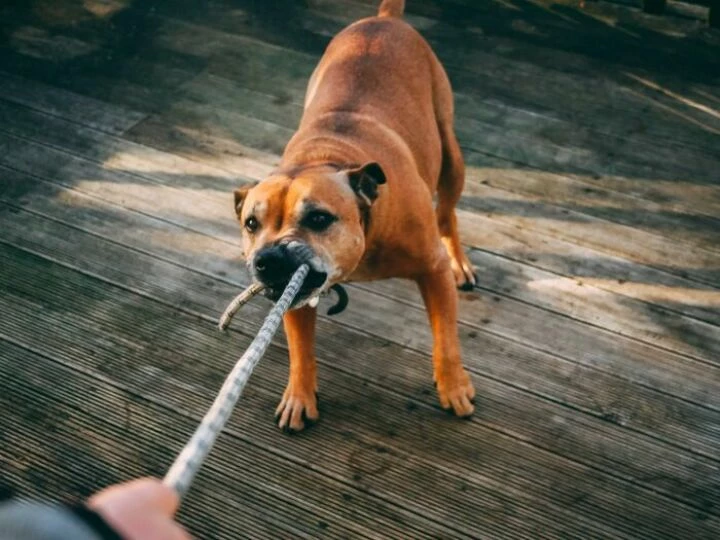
point(251, 224)
point(318, 220)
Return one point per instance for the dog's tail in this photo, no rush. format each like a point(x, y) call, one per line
point(391, 8)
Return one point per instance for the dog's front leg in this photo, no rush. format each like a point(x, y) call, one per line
point(454, 386)
point(299, 402)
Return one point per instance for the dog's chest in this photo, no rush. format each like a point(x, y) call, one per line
point(383, 262)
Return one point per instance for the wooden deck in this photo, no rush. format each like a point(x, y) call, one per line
point(592, 211)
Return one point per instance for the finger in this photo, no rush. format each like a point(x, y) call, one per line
point(144, 493)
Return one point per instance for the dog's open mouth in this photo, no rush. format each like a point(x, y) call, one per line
point(312, 286)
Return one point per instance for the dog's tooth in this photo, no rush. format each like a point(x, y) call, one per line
point(314, 301)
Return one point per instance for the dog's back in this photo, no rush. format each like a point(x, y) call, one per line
point(381, 68)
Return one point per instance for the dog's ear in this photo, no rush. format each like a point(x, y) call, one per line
point(239, 197)
point(364, 181)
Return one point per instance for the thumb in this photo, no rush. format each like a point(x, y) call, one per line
point(144, 493)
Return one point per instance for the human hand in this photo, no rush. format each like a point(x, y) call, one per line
point(140, 510)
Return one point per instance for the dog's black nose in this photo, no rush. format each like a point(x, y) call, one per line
point(275, 265)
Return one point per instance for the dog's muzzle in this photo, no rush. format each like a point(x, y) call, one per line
point(274, 265)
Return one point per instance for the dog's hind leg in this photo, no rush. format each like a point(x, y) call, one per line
point(451, 181)
point(450, 186)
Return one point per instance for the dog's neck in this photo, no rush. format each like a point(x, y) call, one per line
point(293, 170)
point(322, 149)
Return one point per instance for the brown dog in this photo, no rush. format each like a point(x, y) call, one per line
point(353, 197)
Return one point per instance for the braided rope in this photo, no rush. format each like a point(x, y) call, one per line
point(239, 301)
point(189, 461)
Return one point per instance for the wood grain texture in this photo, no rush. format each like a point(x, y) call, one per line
point(590, 211)
point(600, 307)
point(112, 317)
point(616, 409)
point(200, 219)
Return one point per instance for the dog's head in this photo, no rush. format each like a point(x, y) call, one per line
point(315, 215)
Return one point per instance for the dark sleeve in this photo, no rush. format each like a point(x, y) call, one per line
point(35, 521)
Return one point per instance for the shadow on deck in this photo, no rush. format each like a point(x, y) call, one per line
point(591, 212)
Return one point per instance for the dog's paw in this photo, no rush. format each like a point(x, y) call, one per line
point(297, 410)
point(456, 393)
point(464, 273)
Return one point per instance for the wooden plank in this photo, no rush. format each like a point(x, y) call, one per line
point(595, 157)
point(102, 62)
point(121, 155)
point(653, 244)
point(195, 46)
point(589, 299)
point(449, 11)
point(98, 115)
point(481, 239)
point(580, 388)
point(592, 86)
point(218, 93)
point(688, 214)
point(604, 271)
point(118, 162)
point(450, 25)
point(672, 219)
point(194, 217)
point(655, 218)
point(497, 399)
point(302, 33)
point(183, 333)
point(604, 155)
point(569, 149)
point(611, 239)
point(527, 121)
point(134, 434)
point(632, 243)
point(702, 192)
point(69, 463)
point(198, 141)
point(200, 213)
point(555, 35)
point(236, 127)
point(470, 110)
point(335, 440)
point(518, 365)
point(698, 199)
point(230, 97)
point(573, 298)
point(207, 93)
point(653, 247)
point(638, 118)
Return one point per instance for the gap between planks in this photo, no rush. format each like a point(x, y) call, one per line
point(229, 266)
point(114, 321)
point(191, 288)
point(701, 329)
